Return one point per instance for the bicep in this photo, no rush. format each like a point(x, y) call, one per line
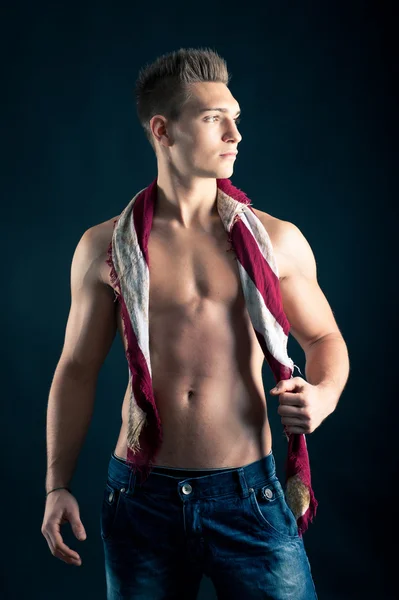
point(91, 324)
point(307, 309)
point(305, 305)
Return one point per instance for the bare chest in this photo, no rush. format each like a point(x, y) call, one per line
point(188, 266)
point(202, 347)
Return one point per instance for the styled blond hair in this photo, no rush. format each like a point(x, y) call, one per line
point(163, 87)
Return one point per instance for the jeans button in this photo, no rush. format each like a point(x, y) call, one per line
point(186, 488)
point(268, 493)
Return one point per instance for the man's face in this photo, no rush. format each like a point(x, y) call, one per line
point(201, 137)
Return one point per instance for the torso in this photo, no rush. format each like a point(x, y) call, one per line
point(206, 361)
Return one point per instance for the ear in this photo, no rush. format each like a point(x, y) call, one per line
point(160, 130)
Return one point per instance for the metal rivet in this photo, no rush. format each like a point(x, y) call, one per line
point(268, 493)
point(111, 495)
point(122, 489)
point(186, 488)
point(251, 490)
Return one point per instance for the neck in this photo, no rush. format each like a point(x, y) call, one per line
point(187, 202)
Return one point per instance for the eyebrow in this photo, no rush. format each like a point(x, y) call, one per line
point(224, 110)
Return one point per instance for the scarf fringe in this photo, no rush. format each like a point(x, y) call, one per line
point(137, 418)
point(304, 521)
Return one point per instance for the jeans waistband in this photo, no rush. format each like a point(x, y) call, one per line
point(219, 481)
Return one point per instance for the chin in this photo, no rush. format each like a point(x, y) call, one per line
point(220, 173)
point(225, 173)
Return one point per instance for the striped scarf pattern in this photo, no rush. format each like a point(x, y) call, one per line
point(128, 260)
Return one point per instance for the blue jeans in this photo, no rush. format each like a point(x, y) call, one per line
point(232, 525)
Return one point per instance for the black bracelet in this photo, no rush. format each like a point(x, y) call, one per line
point(58, 488)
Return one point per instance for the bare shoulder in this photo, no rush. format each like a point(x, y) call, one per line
point(277, 230)
point(293, 251)
point(95, 242)
point(270, 223)
point(101, 234)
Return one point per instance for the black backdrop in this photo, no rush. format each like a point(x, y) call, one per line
point(316, 83)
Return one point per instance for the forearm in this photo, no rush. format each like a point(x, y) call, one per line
point(69, 412)
point(327, 365)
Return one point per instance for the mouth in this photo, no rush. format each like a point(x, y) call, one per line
point(230, 155)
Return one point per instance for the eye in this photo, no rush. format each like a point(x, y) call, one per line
point(237, 120)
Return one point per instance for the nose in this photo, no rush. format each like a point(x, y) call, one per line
point(233, 134)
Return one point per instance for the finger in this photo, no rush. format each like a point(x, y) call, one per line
point(286, 385)
point(285, 410)
point(59, 554)
point(58, 543)
point(296, 383)
point(69, 561)
point(292, 421)
point(292, 399)
point(78, 530)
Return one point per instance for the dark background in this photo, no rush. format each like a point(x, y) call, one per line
point(316, 84)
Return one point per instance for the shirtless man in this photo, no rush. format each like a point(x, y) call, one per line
point(206, 360)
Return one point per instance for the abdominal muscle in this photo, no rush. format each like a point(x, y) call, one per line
point(207, 380)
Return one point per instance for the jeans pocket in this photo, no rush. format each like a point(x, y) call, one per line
point(109, 511)
point(272, 511)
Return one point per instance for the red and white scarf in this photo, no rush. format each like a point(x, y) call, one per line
point(129, 261)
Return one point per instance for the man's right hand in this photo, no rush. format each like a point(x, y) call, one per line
point(62, 507)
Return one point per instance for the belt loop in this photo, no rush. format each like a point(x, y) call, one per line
point(243, 483)
point(132, 483)
point(273, 461)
